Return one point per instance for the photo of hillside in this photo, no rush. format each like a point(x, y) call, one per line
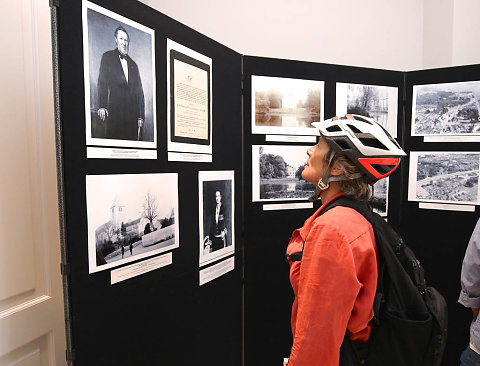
point(446, 109)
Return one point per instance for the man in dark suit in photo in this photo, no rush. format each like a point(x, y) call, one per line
point(120, 93)
point(217, 238)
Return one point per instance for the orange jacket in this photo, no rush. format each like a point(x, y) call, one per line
point(334, 284)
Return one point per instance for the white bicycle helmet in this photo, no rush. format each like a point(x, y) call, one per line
point(363, 141)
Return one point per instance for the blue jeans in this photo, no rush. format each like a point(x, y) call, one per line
point(469, 358)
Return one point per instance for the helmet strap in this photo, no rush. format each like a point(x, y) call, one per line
point(324, 182)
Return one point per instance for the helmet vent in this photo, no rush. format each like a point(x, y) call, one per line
point(342, 144)
point(373, 142)
point(383, 169)
point(360, 118)
point(334, 128)
point(354, 129)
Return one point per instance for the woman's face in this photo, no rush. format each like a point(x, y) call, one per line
point(316, 165)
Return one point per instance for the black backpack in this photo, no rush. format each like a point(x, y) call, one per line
point(410, 321)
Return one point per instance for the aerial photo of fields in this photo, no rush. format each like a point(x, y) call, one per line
point(449, 177)
point(446, 109)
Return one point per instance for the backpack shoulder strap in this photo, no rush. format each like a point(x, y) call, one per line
point(364, 209)
point(361, 207)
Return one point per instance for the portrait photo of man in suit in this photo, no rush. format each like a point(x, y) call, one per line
point(120, 93)
point(119, 69)
point(217, 221)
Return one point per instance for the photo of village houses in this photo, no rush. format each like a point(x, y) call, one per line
point(283, 105)
point(446, 109)
point(277, 173)
point(448, 177)
point(130, 216)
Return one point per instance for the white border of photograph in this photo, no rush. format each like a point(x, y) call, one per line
point(392, 92)
point(179, 146)
point(451, 136)
point(297, 155)
point(298, 88)
point(449, 157)
point(128, 192)
point(208, 176)
point(86, 74)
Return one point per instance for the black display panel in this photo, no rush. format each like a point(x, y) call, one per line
point(268, 336)
point(440, 237)
point(162, 316)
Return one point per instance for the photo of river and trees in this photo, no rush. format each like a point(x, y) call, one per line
point(449, 177)
point(284, 105)
point(446, 109)
point(277, 173)
point(374, 101)
point(379, 199)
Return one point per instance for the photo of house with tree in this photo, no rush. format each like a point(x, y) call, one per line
point(133, 224)
point(278, 173)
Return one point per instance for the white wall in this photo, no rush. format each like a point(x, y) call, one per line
point(397, 35)
point(466, 32)
point(370, 33)
point(438, 33)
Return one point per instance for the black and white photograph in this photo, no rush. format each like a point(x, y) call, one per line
point(189, 104)
point(450, 109)
point(130, 216)
point(286, 106)
point(379, 199)
point(377, 102)
point(444, 177)
point(277, 173)
point(216, 221)
point(119, 73)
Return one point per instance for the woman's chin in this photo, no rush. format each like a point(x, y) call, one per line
point(305, 175)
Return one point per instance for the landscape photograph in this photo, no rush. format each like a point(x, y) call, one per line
point(446, 109)
point(448, 177)
point(277, 173)
point(286, 106)
point(374, 101)
point(130, 216)
point(379, 199)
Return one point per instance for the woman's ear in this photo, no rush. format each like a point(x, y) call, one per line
point(336, 169)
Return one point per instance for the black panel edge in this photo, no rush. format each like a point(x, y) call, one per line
point(60, 182)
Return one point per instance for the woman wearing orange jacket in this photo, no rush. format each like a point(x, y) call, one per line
point(333, 260)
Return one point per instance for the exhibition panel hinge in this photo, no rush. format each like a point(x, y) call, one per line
point(70, 355)
point(65, 269)
point(55, 3)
